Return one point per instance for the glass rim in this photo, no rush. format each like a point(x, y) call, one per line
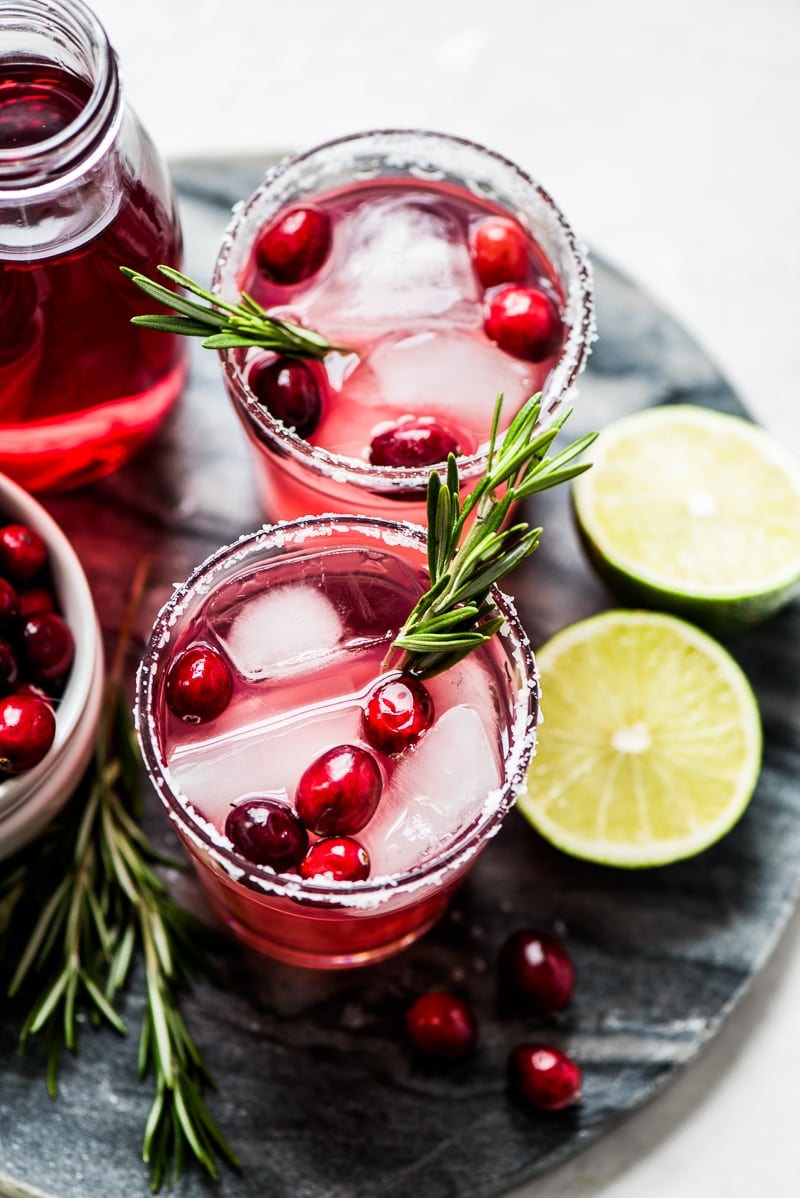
point(398, 479)
point(25, 169)
point(372, 891)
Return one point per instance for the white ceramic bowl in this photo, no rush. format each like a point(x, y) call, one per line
point(28, 801)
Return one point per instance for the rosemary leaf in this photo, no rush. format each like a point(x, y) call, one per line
point(224, 325)
point(469, 547)
point(185, 326)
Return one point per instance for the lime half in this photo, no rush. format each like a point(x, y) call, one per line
point(694, 512)
point(650, 746)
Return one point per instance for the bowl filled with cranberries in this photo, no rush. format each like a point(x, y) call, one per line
point(51, 668)
point(437, 274)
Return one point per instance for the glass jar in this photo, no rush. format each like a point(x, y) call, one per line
point(82, 192)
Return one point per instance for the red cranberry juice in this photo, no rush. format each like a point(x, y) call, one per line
point(80, 387)
point(402, 287)
point(305, 642)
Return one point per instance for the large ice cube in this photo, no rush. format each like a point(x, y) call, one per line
point(398, 259)
point(436, 791)
point(260, 756)
point(447, 373)
point(282, 631)
point(470, 683)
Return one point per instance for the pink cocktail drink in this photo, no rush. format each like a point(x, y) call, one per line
point(81, 191)
point(443, 274)
point(302, 617)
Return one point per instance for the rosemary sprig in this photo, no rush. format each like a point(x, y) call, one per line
point(82, 905)
point(223, 325)
point(455, 614)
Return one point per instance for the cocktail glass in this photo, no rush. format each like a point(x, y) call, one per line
point(304, 613)
point(404, 293)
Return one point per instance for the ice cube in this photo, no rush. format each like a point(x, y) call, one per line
point(281, 631)
point(449, 374)
point(397, 259)
point(470, 683)
point(435, 792)
point(449, 371)
point(261, 756)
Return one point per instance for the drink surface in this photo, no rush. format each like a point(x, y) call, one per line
point(399, 286)
point(80, 387)
point(37, 100)
point(306, 640)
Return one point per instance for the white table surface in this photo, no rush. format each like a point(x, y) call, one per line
point(670, 135)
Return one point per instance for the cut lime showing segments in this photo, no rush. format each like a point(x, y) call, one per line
point(650, 746)
point(694, 512)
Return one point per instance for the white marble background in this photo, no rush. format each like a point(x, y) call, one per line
point(670, 135)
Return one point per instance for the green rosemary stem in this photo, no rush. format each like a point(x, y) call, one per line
point(223, 325)
point(79, 907)
point(470, 545)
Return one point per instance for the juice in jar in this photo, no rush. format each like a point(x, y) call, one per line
point(82, 190)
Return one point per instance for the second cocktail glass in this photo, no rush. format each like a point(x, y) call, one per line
point(401, 263)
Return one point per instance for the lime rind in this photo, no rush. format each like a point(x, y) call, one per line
point(657, 851)
point(722, 605)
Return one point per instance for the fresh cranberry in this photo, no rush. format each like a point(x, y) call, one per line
point(524, 322)
point(412, 441)
point(397, 713)
point(267, 832)
point(338, 794)
point(199, 685)
point(441, 1025)
point(27, 730)
point(499, 251)
point(294, 245)
point(48, 646)
point(342, 857)
point(23, 553)
point(9, 604)
point(35, 599)
point(535, 969)
point(544, 1077)
point(290, 392)
point(9, 668)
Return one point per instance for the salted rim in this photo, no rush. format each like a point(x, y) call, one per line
point(203, 835)
point(579, 303)
point(750, 434)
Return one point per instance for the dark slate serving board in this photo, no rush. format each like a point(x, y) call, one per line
point(317, 1090)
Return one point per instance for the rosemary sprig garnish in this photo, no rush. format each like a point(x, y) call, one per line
point(223, 325)
point(82, 905)
point(456, 615)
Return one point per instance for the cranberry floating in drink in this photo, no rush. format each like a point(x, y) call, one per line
point(81, 191)
point(443, 274)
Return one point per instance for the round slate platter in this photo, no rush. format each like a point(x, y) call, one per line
point(317, 1090)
